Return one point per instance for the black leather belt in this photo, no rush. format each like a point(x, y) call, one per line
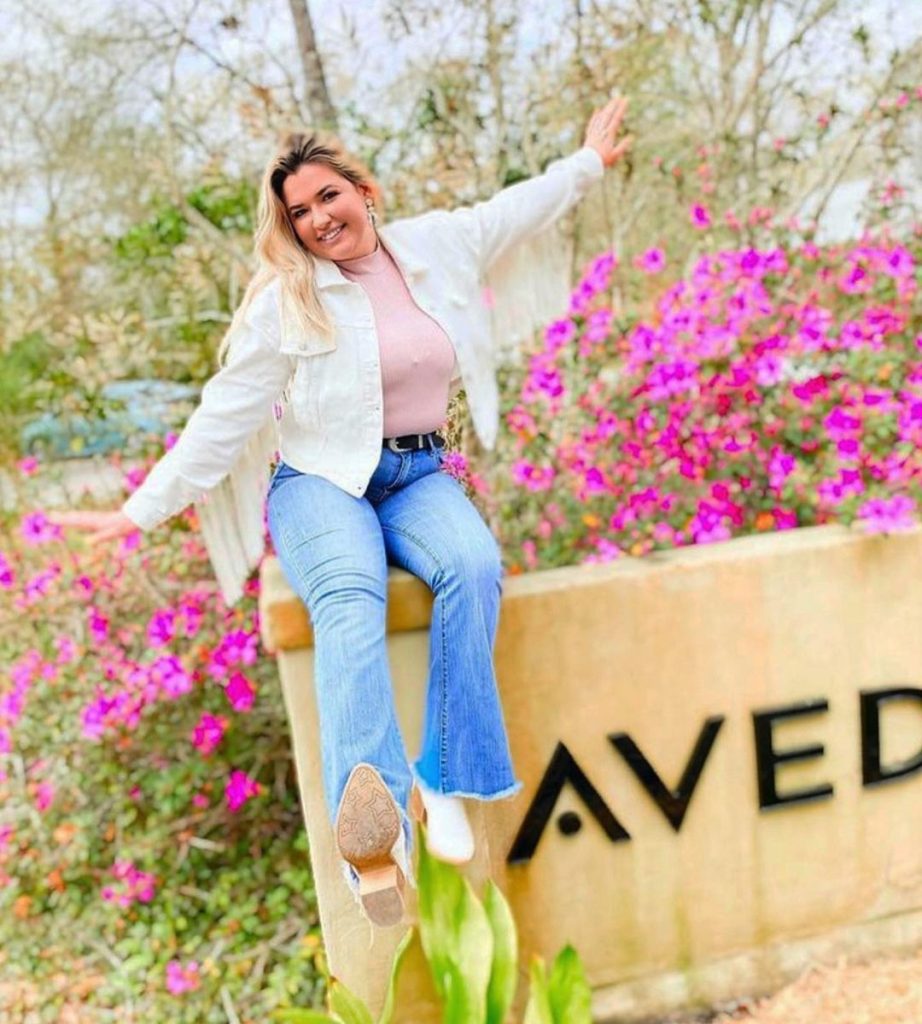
point(414, 442)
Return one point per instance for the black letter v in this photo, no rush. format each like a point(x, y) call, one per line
point(672, 804)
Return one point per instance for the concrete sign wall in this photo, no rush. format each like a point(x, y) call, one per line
point(722, 756)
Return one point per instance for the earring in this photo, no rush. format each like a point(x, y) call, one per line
point(372, 214)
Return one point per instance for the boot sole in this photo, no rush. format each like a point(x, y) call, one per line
point(367, 826)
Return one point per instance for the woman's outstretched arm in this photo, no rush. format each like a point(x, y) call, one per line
point(234, 404)
point(491, 227)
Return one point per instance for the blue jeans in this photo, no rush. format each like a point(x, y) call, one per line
point(334, 549)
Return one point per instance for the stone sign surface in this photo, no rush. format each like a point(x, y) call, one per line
point(721, 748)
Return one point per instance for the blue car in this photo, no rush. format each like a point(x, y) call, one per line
point(138, 408)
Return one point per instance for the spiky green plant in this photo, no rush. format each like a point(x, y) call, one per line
point(471, 947)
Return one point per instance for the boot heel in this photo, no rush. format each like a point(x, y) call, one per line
point(382, 892)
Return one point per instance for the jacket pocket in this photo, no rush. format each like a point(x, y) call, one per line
point(303, 387)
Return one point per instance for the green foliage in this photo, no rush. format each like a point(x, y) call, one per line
point(562, 998)
point(154, 238)
point(228, 203)
point(457, 939)
point(346, 1006)
point(20, 367)
point(471, 948)
point(501, 989)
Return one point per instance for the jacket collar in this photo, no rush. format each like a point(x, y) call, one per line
point(328, 274)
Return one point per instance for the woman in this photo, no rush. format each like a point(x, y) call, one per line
point(363, 335)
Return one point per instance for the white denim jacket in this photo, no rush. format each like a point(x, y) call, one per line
point(489, 274)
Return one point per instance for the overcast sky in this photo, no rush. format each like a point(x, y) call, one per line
point(891, 23)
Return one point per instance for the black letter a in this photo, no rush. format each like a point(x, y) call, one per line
point(562, 769)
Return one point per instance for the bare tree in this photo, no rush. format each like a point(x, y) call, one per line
point(319, 103)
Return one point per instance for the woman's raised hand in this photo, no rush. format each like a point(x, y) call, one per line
point(602, 131)
point(101, 526)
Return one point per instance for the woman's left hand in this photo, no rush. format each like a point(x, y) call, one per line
point(602, 130)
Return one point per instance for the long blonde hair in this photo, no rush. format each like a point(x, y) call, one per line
point(278, 250)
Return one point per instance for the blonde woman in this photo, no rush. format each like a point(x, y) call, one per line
point(361, 334)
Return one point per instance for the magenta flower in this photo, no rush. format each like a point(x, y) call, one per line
point(840, 422)
point(238, 647)
point(44, 796)
point(780, 468)
point(36, 529)
point(192, 614)
point(180, 979)
point(532, 477)
point(240, 788)
point(240, 692)
point(208, 732)
point(888, 515)
point(172, 677)
point(28, 466)
point(598, 327)
point(700, 216)
point(84, 586)
point(99, 624)
point(606, 551)
point(899, 262)
point(856, 280)
point(652, 261)
point(558, 333)
point(161, 627)
point(131, 885)
point(67, 649)
point(455, 464)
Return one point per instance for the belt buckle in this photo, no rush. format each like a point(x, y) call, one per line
point(392, 444)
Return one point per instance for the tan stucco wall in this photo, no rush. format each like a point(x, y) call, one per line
point(738, 900)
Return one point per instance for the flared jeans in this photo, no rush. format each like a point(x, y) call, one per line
point(334, 549)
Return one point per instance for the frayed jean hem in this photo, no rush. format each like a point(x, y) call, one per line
point(500, 795)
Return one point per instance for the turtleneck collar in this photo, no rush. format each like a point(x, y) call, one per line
point(375, 262)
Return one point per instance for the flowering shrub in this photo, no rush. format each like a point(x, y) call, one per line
point(772, 386)
point(152, 851)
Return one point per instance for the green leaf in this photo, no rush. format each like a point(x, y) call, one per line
point(346, 1005)
point(456, 938)
point(538, 1010)
point(295, 1016)
point(501, 990)
point(568, 991)
point(388, 1009)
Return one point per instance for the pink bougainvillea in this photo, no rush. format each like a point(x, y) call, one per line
point(770, 387)
point(129, 885)
point(239, 788)
point(181, 977)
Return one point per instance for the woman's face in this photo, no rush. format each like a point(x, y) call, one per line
point(328, 213)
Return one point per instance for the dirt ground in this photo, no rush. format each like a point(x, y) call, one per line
point(884, 990)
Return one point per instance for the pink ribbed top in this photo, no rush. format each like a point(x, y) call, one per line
point(416, 355)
